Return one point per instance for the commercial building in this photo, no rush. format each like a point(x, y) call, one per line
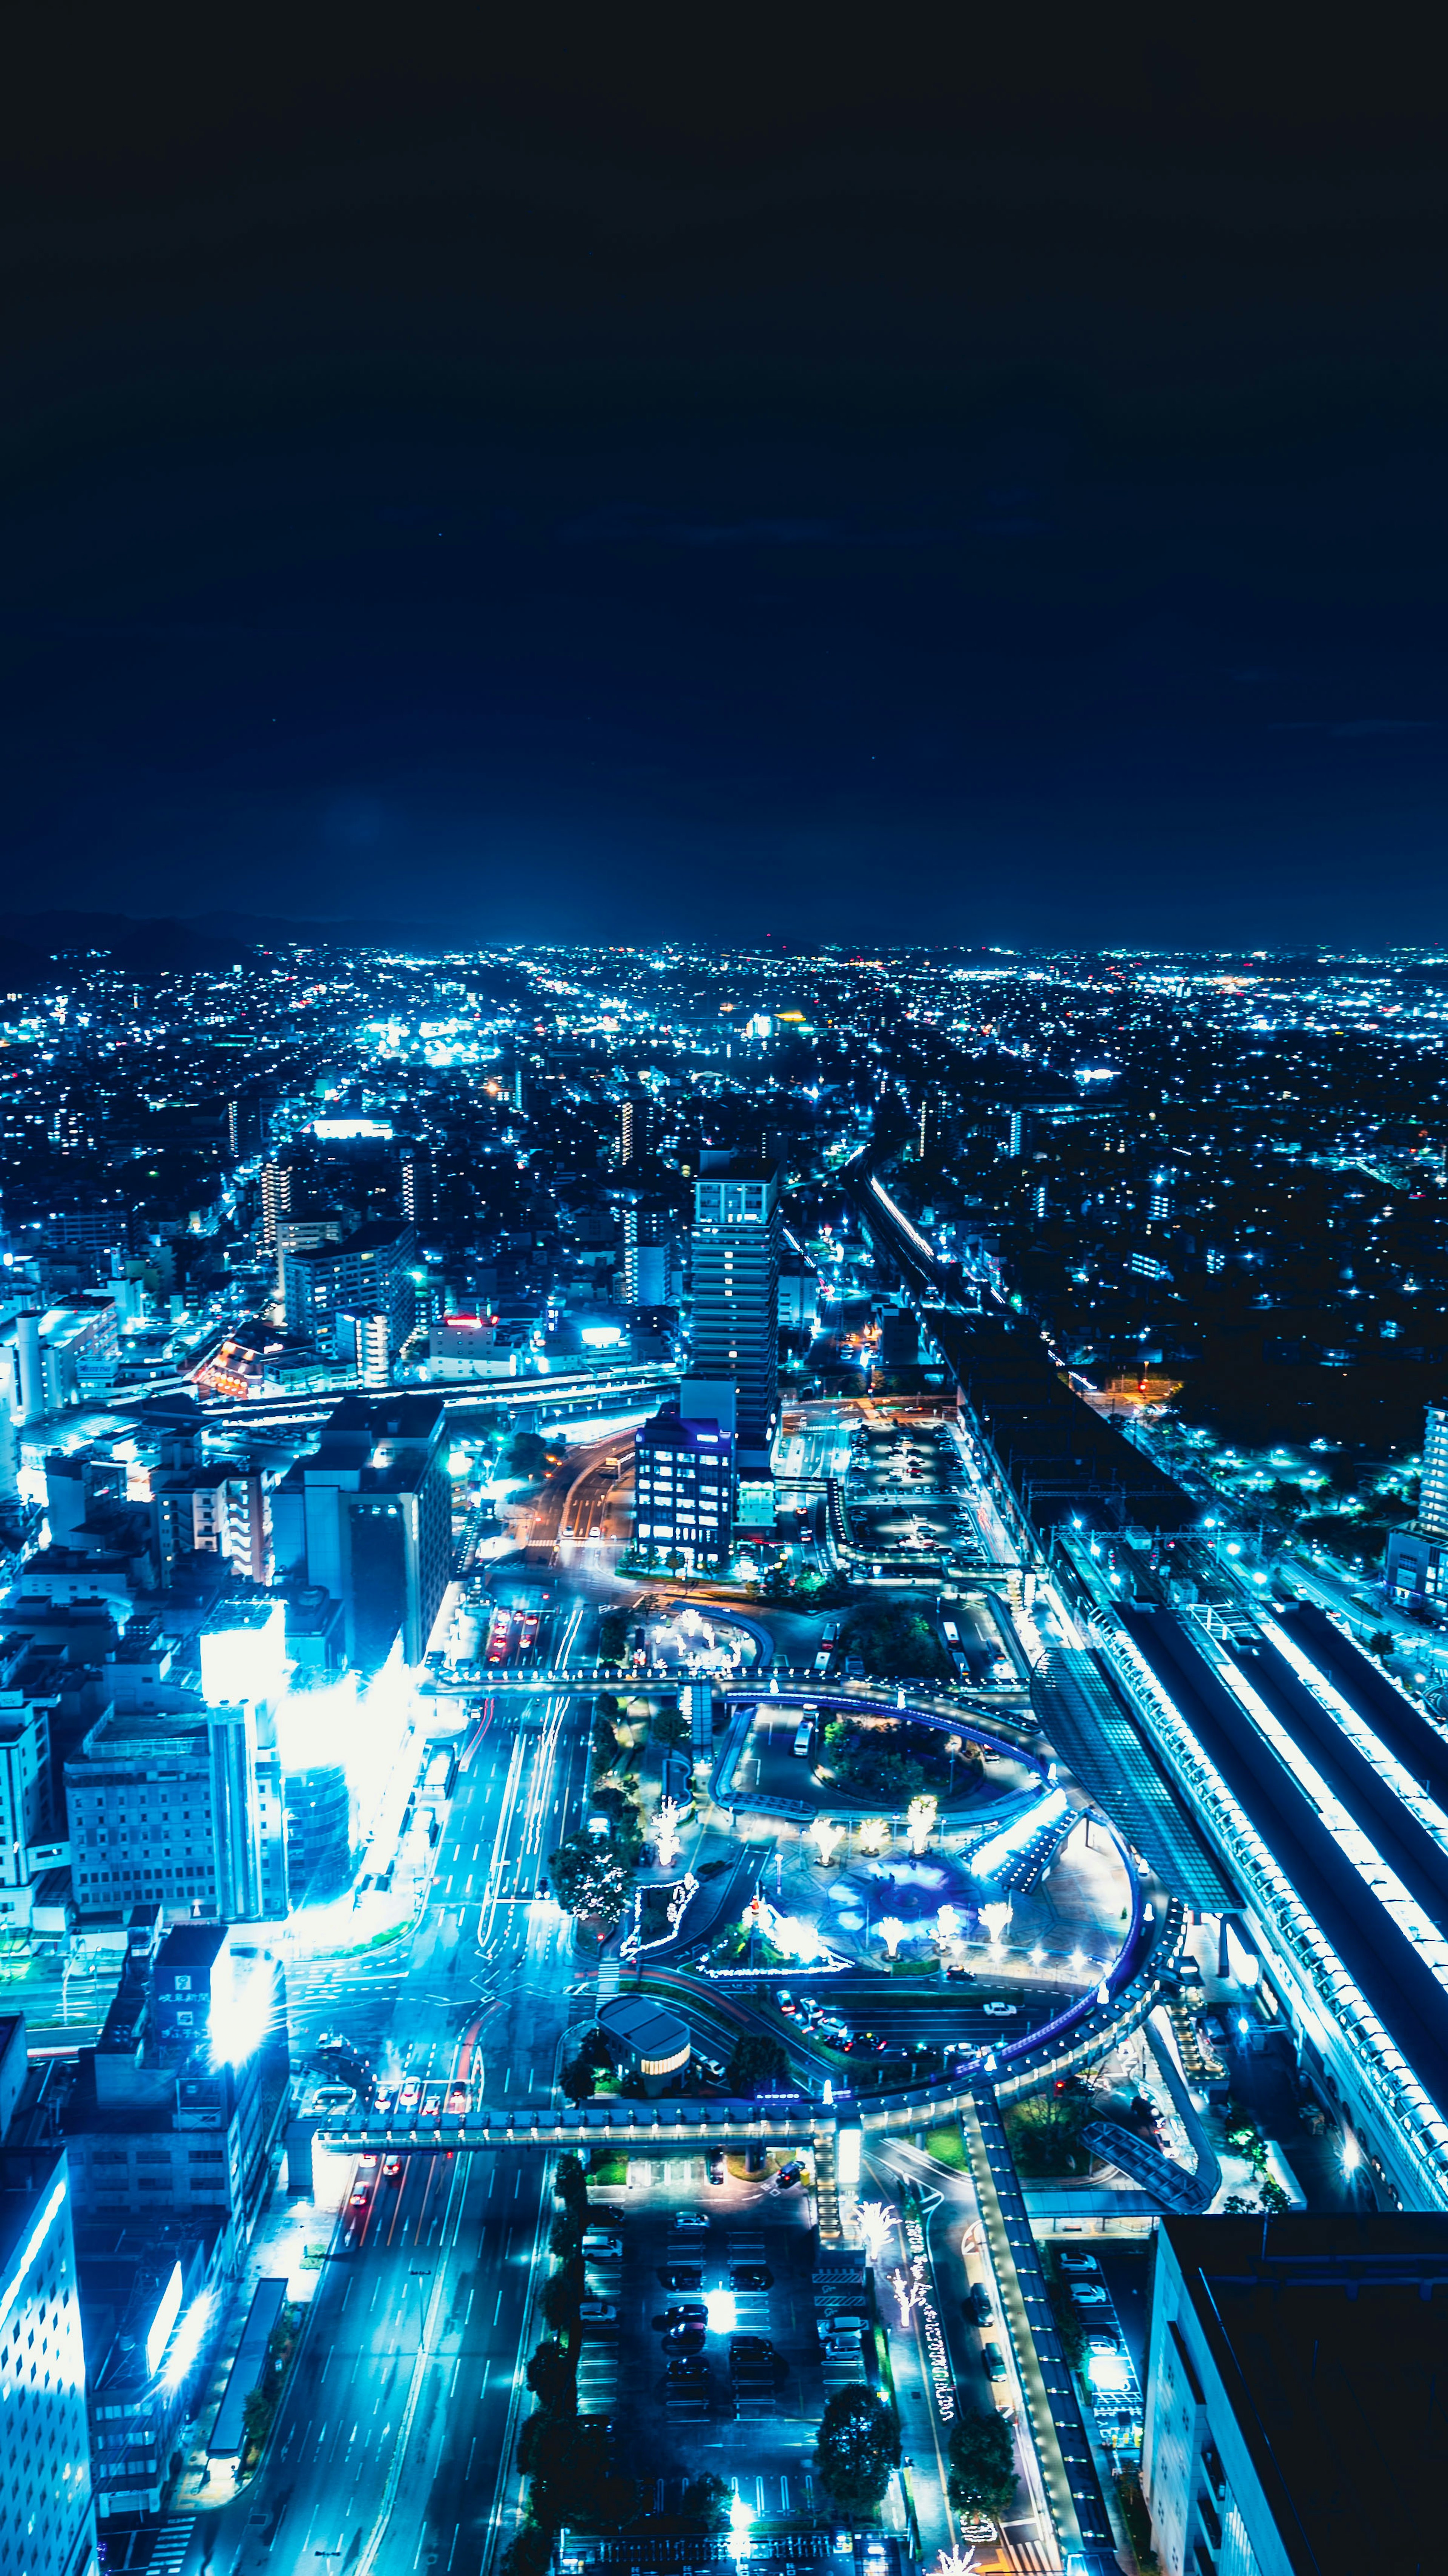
point(152, 2299)
point(181, 1804)
point(47, 2515)
point(1415, 1572)
point(683, 1490)
point(175, 2111)
point(369, 1273)
point(736, 1246)
point(368, 1516)
point(1292, 2420)
point(645, 2039)
point(25, 1798)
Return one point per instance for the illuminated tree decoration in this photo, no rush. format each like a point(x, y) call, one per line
point(920, 1822)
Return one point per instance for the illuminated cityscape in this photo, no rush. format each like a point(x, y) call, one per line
point(808, 1660)
point(723, 1296)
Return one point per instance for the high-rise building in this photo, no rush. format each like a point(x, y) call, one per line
point(368, 1516)
point(1290, 2391)
point(276, 1200)
point(417, 1184)
point(47, 2517)
point(1433, 1497)
point(737, 1232)
point(371, 1272)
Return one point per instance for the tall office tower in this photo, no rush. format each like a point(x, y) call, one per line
point(626, 1147)
point(47, 2515)
point(417, 1184)
point(629, 1264)
point(737, 1229)
point(276, 1201)
point(1016, 1135)
point(368, 1513)
point(1433, 1499)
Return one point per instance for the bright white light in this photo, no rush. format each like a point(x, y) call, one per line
point(989, 1856)
point(892, 1933)
point(906, 2292)
point(740, 2519)
point(191, 2334)
point(947, 1924)
point(1109, 2372)
point(720, 2311)
point(875, 1835)
point(876, 2220)
point(996, 1918)
point(1352, 2155)
point(243, 2005)
point(667, 1831)
point(162, 2322)
point(245, 1663)
point(826, 1836)
point(920, 1818)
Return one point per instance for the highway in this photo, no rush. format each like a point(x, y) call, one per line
point(393, 2445)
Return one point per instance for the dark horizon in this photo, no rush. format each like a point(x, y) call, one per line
point(595, 497)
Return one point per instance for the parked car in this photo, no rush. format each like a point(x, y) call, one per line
point(602, 2246)
point(978, 2304)
point(1079, 2263)
point(1089, 2294)
point(687, 2218)
point(995, 2367)
point(684, 2339)
point(598, 2312)
point(750, 2276)
point(690, 2312)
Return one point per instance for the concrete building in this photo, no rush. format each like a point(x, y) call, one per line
point(183, 1808)
point(736, 1245)
point(152, 2298)
point(371, 1272)
point(25, 1810)
point(368, 1517)
point(1291, 2423)
point(645, 2039)
point(1415, 1572)
point(683, 1490)
point(175, 2111)
point(47, 2515)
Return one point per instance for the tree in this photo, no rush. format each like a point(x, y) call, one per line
point(857, 2448)
point(565, 2236)
point(589, 1880)
point(704, 2504)
point(613, 1635)
point(550, 2379)
point(561, 2295)
point(526, 1456)
point(982, 2478)
point(755, 2059)
point(577, 2080)
point(670, 1726)
point(570, 2183)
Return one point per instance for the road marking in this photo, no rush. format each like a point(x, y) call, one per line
point(499, 2300)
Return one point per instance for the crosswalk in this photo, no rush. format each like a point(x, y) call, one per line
point(172, 2542)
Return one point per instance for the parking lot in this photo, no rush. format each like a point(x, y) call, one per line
point(720, 2352)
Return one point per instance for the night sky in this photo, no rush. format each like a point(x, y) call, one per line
point(767, 475)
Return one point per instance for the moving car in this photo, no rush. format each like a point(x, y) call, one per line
point(392, 2169)
point(716, 2167)
point(690, 2218)
point(410, 2094)
point(457, 2100)
point(1001, 2011)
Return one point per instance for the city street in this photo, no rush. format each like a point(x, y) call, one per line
point(392, 2445)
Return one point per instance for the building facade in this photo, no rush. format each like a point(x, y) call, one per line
point(736, 1245)
point(47, 2514)
point(683, 1490)
point(371, 1272)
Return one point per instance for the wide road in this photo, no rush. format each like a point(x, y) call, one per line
point(393, 2444)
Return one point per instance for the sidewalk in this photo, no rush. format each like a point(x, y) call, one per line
point(287, 2226)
